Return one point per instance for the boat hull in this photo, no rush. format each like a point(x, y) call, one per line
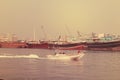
point(65, 57)
point(68, 46)
point(38, 45)
point(104, 46)
point(13, 45)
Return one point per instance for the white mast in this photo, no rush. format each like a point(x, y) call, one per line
point(34, 37)
point(42, 27)
point(68, 31)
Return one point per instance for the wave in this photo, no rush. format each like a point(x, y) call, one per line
point(20, 56)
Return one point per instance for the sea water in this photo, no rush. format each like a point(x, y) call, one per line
point(95, 65)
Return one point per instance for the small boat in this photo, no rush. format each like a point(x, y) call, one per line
point(66, 57)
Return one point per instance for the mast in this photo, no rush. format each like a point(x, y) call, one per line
point(42, 27)
point(68, 30)
point(34, 37)
point(69, 33)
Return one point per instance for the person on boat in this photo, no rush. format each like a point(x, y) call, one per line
point(63, 52)
point(55, 53)
point(78, 51)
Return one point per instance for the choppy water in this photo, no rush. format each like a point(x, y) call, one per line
point(93, 66)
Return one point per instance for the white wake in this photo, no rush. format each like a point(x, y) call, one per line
point(20, 56)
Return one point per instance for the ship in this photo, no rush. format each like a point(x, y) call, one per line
point(100, 42)
point(94, 46)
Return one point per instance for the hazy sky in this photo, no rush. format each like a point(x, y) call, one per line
point(57, 17)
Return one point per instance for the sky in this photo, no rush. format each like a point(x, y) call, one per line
point(51, 18)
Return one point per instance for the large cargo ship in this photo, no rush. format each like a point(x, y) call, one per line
point(11, 41)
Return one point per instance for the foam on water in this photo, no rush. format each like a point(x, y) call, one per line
point(20, 56)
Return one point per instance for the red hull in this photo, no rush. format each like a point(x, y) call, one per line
point(38, 45)
point(13, 44)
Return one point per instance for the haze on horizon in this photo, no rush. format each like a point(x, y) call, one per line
point(59, 17)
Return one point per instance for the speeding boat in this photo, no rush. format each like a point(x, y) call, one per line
point(65, 56)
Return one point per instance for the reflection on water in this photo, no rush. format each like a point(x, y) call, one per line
point(93, 66)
